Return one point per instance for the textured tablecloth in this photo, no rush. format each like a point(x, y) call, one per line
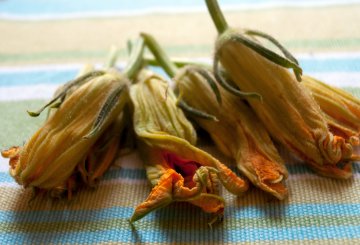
point(45, 43)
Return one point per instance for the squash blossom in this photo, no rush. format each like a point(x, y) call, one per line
point(238, 133)
point(79, 139)
point(287, 109)
point(177, 169)
point(233, 126)
point(341, 109)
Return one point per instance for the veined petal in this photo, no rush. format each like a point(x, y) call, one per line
point(238, 133)
point(49, 158)
point(166, 141)
point(341, 109)
point(288, 110)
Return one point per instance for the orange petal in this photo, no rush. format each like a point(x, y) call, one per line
point(160, 196)
point(13, 154)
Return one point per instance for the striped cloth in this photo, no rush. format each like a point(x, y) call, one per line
point(45, 43)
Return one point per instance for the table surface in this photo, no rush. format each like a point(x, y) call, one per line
point(44, 43)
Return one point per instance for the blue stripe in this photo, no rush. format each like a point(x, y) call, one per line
point(53, 77)
point(56, 7)
point(267, 210)
point(26, 7)
point(309, 65)
point(124, 173)
point(6, 178)
point(330, 64)
point(66, 215)
point(36, 77)
point(41, 7)
point(139, 235)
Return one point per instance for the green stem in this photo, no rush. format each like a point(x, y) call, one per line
point(136, 60)
point(112, 57)
point(129, 46)
point(160, 55)
point(216, 15)
point(179, 63)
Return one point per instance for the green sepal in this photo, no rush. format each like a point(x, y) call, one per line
point(194, 112)
point(210, 80)
point(230, 88)
point(273, 41)
point(105, 111)
point(285, 62)
point(78, 81)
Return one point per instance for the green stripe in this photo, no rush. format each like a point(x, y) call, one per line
point(56, 55)
point(353, 90)
point(15, 124)
point(180, 50)
point(174, 222)
point(322, 43)
point(98, 54)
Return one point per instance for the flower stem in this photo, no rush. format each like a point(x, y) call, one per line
point(112, 57)
point(160, 55)
point(216, 15)
point(179, 63)
point(136, 60)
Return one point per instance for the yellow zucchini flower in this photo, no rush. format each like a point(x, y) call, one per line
point(238, 132)
point(177, 169)
point(287, 109)
point(80, 137)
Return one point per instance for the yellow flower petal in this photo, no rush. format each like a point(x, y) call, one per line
point(288, 110)
point(238, 133)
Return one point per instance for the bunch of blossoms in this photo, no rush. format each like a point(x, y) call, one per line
point(177, 169)
point(258, 100)
point(236, 130)
point(232, 124)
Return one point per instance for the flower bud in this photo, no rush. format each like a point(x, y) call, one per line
point(177, 169)
point(50, 157)
point(238, 133)
point(287, 109)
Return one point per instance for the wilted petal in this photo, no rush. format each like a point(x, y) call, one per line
point(49, 158)
point(238, 133)
point(287, 109)
point(166, 141)
point(341, 109)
